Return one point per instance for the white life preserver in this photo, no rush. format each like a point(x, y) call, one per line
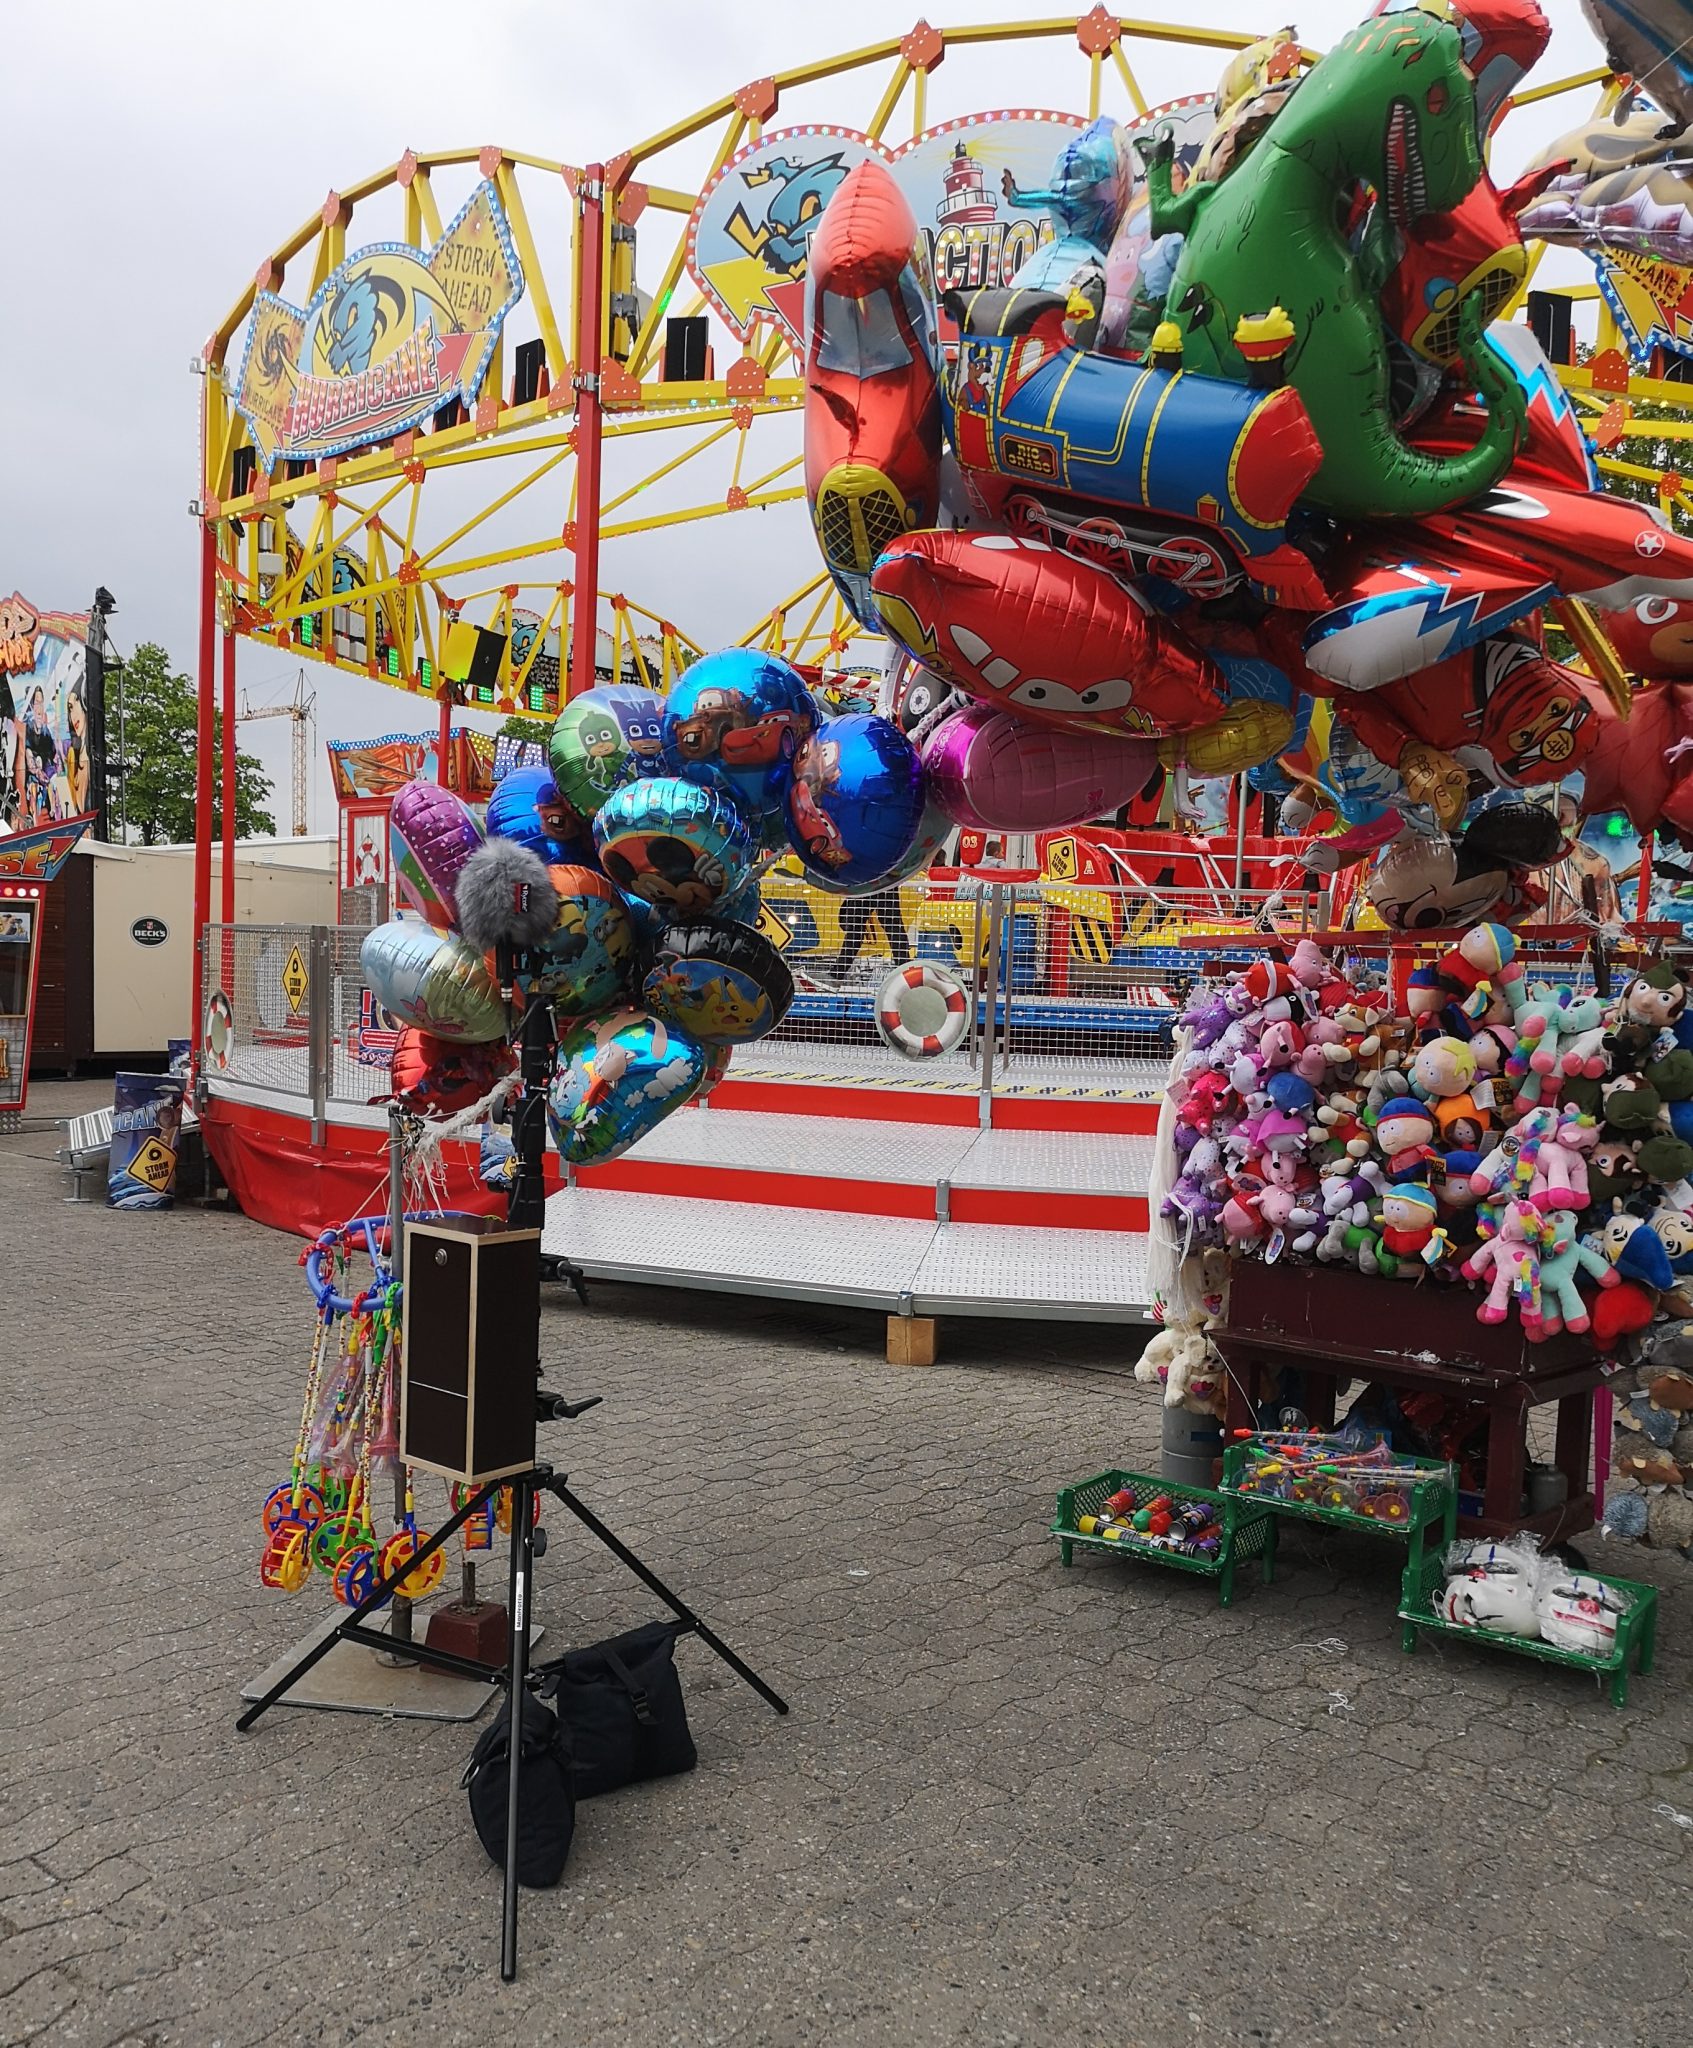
point(922, 1010)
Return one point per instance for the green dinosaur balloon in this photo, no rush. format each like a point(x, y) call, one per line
point(1391, 106)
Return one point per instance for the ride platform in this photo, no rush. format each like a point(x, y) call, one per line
point(802, 1180)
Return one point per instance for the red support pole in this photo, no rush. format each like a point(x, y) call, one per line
point(444, 745)
point(203, 749)
point(227, 904)
point(590, 317)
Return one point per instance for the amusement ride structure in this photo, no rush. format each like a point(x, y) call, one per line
point(439, 406)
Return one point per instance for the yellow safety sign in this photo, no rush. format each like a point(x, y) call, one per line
point(295, 979)
point(153, 1165)
point(771, 927)
point(1061, 862)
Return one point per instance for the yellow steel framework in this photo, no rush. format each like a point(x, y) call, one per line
point(477, 517)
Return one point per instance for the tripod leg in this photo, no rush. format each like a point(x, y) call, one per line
point(625, 1555)
point(517, 1684)
point(357, 1614)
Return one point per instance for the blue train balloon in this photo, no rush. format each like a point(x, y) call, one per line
point(615, 1079)
point(527, 807)
point(856, 801)
point(682, 846)
point(736, 720)
point(721, 981)
point(433, 980)
point(588, 962)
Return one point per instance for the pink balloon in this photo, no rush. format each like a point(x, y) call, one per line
point(441, 832)
point(991, 771)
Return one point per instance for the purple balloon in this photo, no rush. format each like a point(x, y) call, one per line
point(441, 832)
point(991, 771)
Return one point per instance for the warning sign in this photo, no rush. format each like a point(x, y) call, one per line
point(1061, 862)
point(295, 980)
point(153, 1165)
point(771, 927)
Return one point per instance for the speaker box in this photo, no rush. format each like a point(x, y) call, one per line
point(684, 349)
point(471, 1338)
point(485, 662)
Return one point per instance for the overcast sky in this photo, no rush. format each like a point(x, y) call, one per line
point(153, 154)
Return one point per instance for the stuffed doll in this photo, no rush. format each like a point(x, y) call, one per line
point(1403, 1133)
point(1560, 1176)
point(1650, 1005)
point(1409, 1229)
point(1508, 1171)
point(1512, 1259)
point(1563, 1257)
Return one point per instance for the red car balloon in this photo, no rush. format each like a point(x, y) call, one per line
point(1042, 635)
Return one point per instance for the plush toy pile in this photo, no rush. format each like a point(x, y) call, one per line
point(1649, 1498)
point(1529, 1138)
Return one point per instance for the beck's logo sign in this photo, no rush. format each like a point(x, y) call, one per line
point(389, 337)
point(149, 931)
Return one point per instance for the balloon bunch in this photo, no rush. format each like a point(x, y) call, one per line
point(627, 874)
point(1213, 462)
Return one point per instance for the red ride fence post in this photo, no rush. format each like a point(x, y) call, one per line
point(590, 327)
point(204, 747)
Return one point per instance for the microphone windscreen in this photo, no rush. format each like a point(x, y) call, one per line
point(505, 896)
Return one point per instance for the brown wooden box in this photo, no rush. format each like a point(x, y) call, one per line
point(470, 1348)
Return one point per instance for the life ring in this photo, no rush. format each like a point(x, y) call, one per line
point(220, 1031)
point(922, 1010)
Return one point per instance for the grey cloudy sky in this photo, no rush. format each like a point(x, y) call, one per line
point(153, 154)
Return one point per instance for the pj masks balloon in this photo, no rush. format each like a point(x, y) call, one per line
point(856, 800)
point(433, 980)
point(737, 719)
point(527, 807)
point(720, 981)
point(678, 844)
point(591, 953)
point(604, 738)
point(614, 1080)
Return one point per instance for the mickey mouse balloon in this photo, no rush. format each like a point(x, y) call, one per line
point(680, 845)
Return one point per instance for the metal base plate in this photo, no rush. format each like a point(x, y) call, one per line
point(353, 1679)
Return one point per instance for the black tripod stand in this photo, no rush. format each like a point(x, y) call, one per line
point(527, 1542)
point(526, 1210)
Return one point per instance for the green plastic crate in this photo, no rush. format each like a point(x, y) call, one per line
point(1637, 1630)
point(1434, 1503)
point(1247, 1532)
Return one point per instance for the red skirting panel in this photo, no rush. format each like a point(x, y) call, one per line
point(915, 1106)
point(280, 1178)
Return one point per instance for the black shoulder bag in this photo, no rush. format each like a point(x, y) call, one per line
point(622, 1703)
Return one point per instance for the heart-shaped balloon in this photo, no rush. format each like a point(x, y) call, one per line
point(436, 833)
point(432, 979)
point(616, 1079)
point(998, 773)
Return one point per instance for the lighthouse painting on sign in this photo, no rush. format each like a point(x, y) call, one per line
point(967, 199)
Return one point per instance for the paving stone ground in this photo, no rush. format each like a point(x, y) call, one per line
point(1013, 1804)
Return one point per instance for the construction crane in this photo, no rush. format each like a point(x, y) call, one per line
point(300, 708)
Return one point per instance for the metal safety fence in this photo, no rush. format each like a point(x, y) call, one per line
point(1073, 988)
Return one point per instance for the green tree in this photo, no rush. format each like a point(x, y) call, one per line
point(531, 731)
point(156, 736)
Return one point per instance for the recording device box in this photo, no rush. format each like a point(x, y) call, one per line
point(471, 1344)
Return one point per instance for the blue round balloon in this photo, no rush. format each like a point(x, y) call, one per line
point(681, 845)
point(526, 807)
point(737, 719)
point(856, 800)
